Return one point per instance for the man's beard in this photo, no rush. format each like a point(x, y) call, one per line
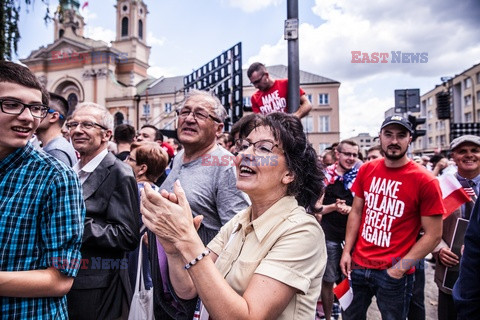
point(394, 156)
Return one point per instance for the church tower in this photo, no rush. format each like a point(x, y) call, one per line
point(131, 41)
point(68, 21)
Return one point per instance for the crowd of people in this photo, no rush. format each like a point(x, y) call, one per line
point(246, 224)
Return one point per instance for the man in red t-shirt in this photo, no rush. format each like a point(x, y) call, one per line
point(272, 94)
point(394, 198)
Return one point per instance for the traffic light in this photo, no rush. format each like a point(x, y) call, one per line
point(415, 122)
point(443, 105)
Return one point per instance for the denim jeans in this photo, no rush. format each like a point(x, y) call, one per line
point(393, 295)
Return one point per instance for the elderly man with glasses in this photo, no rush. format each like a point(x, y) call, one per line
point(41, 207)
point(102, 288)
point(272, 93)
point(207, 174)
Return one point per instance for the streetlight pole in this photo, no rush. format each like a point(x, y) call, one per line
point(137, 99)
point(291, 34)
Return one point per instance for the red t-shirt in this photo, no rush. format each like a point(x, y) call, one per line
point(273, 100)
point(394, 201)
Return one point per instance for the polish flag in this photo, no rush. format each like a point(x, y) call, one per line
point(84, 5)
point(453, 194)
point(344, 293)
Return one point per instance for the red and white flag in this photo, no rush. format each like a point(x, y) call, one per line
point(344, 293)
point(453, 194)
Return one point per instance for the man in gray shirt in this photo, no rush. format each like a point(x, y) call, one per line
point(49, 131)
point(205, 170)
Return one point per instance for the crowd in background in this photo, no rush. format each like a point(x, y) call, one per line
point(252, 218)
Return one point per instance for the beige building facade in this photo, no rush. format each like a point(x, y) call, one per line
point(464, 90)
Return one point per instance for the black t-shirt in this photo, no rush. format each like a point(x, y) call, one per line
point(334, 224)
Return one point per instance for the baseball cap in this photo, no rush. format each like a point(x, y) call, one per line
point(397, 120)
point(466, 138)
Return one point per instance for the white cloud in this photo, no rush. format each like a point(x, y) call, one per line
point(152, 40)
point(417, 26)
point(100, 33)
point(254, 5)
point(157, 72)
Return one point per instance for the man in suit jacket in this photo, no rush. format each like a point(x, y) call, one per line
point(101, 289)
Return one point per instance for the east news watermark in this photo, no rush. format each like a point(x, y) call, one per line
point(389, 57)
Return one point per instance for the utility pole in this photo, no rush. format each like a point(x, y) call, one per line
point(291, 34)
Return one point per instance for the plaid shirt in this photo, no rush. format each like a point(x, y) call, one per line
point(41, 225)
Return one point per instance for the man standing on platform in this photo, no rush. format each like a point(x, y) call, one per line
point(272, 94)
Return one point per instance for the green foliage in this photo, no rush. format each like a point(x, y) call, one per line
point(9, 32)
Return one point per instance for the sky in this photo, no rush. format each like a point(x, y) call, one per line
point(186, 34)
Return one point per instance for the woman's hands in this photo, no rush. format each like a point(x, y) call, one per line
point(169, 216)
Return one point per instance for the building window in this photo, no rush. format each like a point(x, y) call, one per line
point(430, 114)
point(146, 110)
point(468, 117)
point(322, 147)
point(124, 27)
point(247, 102)
point(478, 77)
point(468, 83)
point(430, 141)
point(324, 124)
point(443, 140)
point(307, 123)
point(168, 107)
point(430, 101)
point(72, 101)
point(310, 98)
point(323, 98)
point(118, 118)
point(140, 29)
point(429, 127)
point(468, 100)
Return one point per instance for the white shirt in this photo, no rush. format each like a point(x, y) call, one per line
point(84, 171)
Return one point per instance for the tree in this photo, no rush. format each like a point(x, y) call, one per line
point(9, 32)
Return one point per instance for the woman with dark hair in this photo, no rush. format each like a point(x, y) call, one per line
point(267, 261)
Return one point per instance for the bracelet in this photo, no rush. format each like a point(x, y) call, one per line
point(198, 258)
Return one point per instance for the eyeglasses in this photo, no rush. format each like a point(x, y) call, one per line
point(197, 115)
point(349, 154)
point(85, 125)
point(257, 81)
point(10, 106)
point(129, 158)
point(59, 114)
point(260, 148)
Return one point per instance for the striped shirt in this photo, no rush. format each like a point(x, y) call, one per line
point(41, 225)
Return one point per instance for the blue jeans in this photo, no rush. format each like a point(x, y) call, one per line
point(393, 295)
point(334, 254)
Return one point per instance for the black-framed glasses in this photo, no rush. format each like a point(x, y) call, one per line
point(15, 107)
point(349, 154)
point(85, 125)
point(258, 80)
point(130, 158)
point(260, 148)
point(59, 114)
point(197, 115)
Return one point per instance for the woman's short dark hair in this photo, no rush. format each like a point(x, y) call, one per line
point(153, 156)
point(301, 159)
